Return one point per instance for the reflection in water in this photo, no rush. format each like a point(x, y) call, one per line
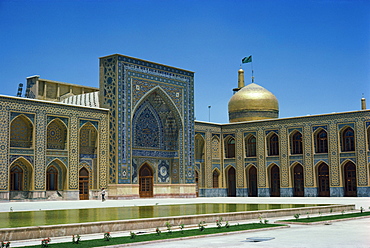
point(54, 217)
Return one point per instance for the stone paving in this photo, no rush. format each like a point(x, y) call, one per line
point(351, 233)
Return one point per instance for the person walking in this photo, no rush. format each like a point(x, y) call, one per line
point(102, 194)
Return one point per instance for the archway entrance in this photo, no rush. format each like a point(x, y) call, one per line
point(83, 183)
point(16, 178)
point(231, 183)
point(252, 182)
point(350, 182)
point(298, 181)
point(145, 181)
point(196, 184)
point(275, 181)
point(323, 179)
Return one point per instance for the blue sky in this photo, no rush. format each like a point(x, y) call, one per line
point(314, 55)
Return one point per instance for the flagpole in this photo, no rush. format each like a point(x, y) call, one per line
point(252, 72)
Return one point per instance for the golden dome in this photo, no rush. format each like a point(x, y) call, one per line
point(253, 102)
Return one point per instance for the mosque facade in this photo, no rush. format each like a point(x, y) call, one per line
point(136, 136)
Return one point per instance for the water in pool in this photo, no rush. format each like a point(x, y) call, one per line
point(67, 216)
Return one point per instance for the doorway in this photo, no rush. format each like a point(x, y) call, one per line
point(83, 183)
point(145, 181)
point(231, 185)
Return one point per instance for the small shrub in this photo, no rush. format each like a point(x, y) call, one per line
point(158, 231)
point(308, 215)
point(331, 210)
point(201, 225)
point(45, 242)
point(342, 212)
point(296, 216)
point(132, 235)
point(5, 244)
point(227, 225)
point(219, 223)
point(76, 239)
point(168, 225)
point(362, 209)
point(182, 227)
point(266, 221)
point(260, 218)
point(107, 236)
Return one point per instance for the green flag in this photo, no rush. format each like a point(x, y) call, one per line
point(247, 59)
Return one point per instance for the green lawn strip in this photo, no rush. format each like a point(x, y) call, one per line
point(328, 217)
point(162, 236)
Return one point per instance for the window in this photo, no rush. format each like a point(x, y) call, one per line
point(348, 140)
point(296, 143)
point(273, 145)
point(230, 148)
point(250, 146)
point(322, 142)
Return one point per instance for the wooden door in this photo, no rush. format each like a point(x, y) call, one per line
point(298, 180)
point(252, 182)
point(145, 181)
point(323, 179)
point(83, 183)
point(275, 181)
point(231, 186)
point(350, 182)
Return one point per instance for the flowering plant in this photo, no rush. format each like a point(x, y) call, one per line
point(45, 242)
point(219, 223)
point(158, 231)
point(5, 244)
point(107, 236)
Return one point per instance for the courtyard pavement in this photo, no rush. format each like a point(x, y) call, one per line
point(351, 233)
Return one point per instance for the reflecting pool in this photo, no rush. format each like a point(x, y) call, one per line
point(67, 216)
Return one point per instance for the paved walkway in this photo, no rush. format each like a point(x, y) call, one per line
point(352, 233)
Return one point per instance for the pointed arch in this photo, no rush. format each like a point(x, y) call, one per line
point(321, 140)
point(274, 176)
point(199, 147)
point(146, 180)
point(250, 142)
point(56, 133)
point(298, 179)
point(196, 175)
point(323, 179)
point(368, 138)
point(272, 141)
point(84, 183)
point(216, 147)
point(231, 181)
point(251, 175)
point(349, 178)
point(216, 178)
point(156, 121)
point(230, 147)
point(21, 132)
point(56, 178)
point(21, 175)
point(296, 142)
point(88, 139)
point(347, 135)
